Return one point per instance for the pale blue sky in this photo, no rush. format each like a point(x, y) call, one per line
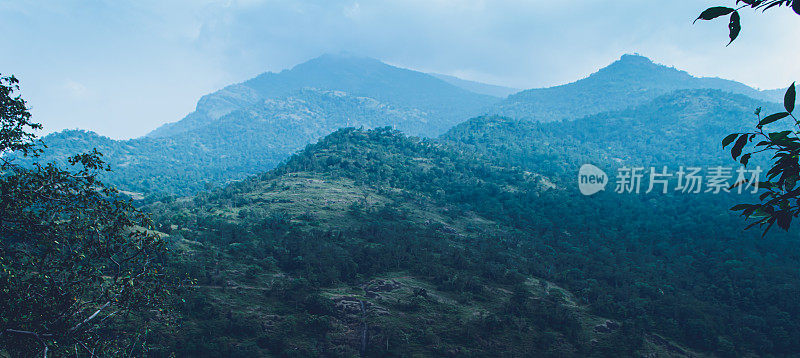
point(121, 68)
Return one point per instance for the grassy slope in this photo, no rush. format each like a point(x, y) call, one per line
point(398, 321)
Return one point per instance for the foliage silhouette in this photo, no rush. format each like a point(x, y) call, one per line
point(779, 200)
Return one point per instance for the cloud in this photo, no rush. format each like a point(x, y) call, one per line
point(76, 90)
point(517, 43)
point(146, 62)
point(352, 11)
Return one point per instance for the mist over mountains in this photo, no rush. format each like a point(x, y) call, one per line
point(247, 128)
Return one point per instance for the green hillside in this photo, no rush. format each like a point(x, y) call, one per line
point(427, 238)
point(680, 128)
point(365, 244)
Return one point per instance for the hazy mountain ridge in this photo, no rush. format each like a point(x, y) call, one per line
point(442, 103)
point(250, 127)
point(630, 81)
point(209, 108)
point(477, 87)
point(239, 144)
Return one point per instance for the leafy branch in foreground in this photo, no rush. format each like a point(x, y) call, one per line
point(780, 200)
point(76, 261)
point(735, 20)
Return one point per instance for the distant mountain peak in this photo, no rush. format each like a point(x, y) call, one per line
point(338, 60)
point(443, 103)
point(638, 66)
point(634, 58)
point(633, 79)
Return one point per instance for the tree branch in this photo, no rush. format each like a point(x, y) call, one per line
point(91, 317)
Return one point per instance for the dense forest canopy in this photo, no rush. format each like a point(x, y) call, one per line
point(400, 205)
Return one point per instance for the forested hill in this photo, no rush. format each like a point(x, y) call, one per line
point(680, 128)
point(683, 241)
point(441, 104)
point(366, 209)
point(374, 243)
point(239, 144)
point(630, 81)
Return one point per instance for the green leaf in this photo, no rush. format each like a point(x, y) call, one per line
point(749, 2)
point(780, 138)
point(737, 147)
point(789, 98)
point(784, 220)
point(772, 118)
point(737, 184)
point(775, 3)
point(745, 159)
point(735, 26)
point(714, 12)
point(729, 139)
point(741, 207)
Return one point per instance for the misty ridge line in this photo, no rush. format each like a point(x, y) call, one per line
point(243, 90)
point(251, 127)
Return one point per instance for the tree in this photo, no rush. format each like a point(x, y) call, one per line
point(76, 260)
point(780, 197)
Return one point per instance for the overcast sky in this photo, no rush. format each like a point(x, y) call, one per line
point(121, 68)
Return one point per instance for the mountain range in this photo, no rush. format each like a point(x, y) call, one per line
point(680, 128)
point(307, 235)
point(247, 128)
point(440, 103)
